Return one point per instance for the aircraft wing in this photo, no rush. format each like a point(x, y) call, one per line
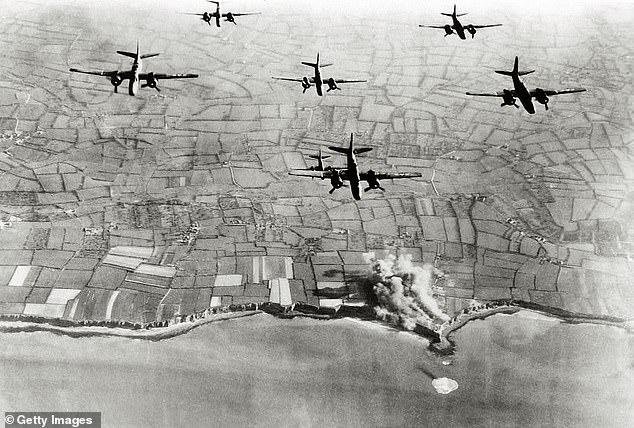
point(484, 26)
point(550, 92)
point(162, 76)
point(489, 94)
point(442, 27)
point(290, 79)
point(389, 176)
point(314, 174)
point(190, 13)
point(100, 73)
point(224, 15)
point(325, 81)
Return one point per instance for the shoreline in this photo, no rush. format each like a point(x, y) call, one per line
point(439, 335)
point(445, 344)
point(153, 335)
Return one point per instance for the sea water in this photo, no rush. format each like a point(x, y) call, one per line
point(262, 371)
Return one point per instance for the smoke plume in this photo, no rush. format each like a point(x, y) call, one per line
point(404, 291)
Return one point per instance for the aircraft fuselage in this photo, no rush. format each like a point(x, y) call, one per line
point(459, 29)
point(523, 95)
point(353, 177)
point(133, 86)
point(353, 174)
point(318, 81)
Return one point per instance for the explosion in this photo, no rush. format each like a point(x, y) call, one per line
point(404, 291)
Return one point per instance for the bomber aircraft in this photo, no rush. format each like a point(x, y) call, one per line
point(520, 91)
point(134, 75)
point(229, 16)
point(458, 27)
point(320, 162)
point(317, 80)
point(351, 172)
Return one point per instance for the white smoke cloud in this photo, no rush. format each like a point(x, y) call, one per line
point(404, 291)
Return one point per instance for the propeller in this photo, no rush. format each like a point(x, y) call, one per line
point(335, 188)
point(373, 182)
point(305, 84)
point(151, 82)
point(116, 81)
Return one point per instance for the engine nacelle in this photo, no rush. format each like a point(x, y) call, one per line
point(305, 83)
point(151, 81)
point(116, 80)
point(373, 182)
point(471, 29)
point(336, 181)
point(541, 97)
point(448, 30)
point(206, 17)
point(509, 99)
point(332, 85)
point(230, 17)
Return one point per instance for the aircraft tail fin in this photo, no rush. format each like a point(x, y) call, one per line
point(351, 149)
point(454, 13)
point(344, 150)
point(316, 63)
point(148, 55)
point(134, 55)
point(516, 71)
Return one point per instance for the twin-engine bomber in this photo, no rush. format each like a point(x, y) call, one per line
point(317, 80)
point(351, 172)
point(524, 95)
point(228, 17)
point(457, 27)
point(134, 75)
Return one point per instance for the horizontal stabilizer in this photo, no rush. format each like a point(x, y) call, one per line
point(454, 13)
point(343, 150)
point(149, 55)
point(515, 71)
point(129, 54)
point(510, 73)
point(318, 156)
point(362, 150)
point(310, 64)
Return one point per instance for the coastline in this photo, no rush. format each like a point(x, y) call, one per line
point(444, 343)
point(439, 335)
point(153, 335)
